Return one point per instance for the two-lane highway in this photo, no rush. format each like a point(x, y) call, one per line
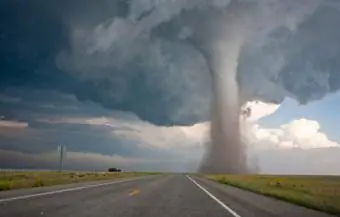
point(153, 196)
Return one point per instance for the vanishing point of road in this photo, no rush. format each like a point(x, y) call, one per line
point(150, 196)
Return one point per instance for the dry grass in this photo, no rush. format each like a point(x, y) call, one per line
point(317, 192)
point(16, 180)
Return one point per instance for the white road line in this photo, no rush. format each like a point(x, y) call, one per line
point(215, 198)
point(60, 191)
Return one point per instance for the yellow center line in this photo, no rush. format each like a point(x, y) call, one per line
point(134, 192)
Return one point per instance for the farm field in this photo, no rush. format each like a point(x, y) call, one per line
point(31, 179)
point(317, 192)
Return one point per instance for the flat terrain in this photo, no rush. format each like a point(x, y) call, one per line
point(316, 192)
point(146, 196)
point(17, 180)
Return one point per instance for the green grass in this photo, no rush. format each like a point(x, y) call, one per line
point(316, 192)
point(17, 180)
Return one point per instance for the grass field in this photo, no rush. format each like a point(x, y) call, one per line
point(16, 180)
point(317, 192)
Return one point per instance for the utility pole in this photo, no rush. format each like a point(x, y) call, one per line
point(62, 153)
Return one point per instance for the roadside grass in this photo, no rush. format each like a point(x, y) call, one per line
point(32, 179)
point(321, 193)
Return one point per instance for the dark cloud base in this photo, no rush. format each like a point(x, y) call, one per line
point(34, 33)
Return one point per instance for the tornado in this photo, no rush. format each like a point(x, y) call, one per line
point(228, 33)
point(225, 153)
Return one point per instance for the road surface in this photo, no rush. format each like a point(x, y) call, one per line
point(152, 196)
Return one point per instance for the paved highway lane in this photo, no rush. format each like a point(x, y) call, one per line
point(155, 196)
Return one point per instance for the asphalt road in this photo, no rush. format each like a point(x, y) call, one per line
point(153, 196)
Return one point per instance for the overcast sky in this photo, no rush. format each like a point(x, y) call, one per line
point(126, 84)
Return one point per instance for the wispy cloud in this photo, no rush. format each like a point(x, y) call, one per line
point(13, 124)
point(144, 133)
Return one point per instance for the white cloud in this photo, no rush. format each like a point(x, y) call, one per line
point(294, 148)
point(145, 133)
point(301, 133)
point(13, 124)
point(298, 147)
point(164, 137)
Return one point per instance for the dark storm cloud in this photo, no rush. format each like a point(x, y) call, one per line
point(30, 103)
point(302, 63)
point(34, 33)
point(162, 77)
